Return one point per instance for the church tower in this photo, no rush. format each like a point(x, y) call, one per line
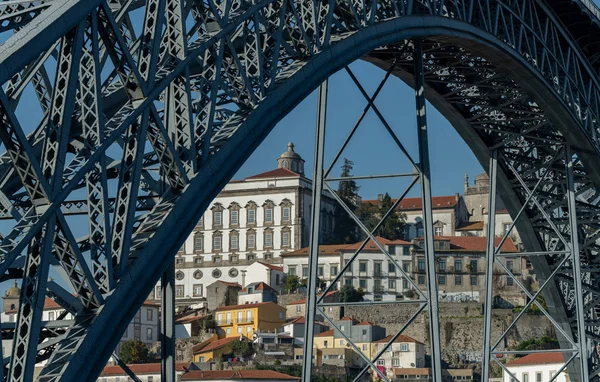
point(291, 160)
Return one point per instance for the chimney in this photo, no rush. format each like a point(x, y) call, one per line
point(243, 278)
point(379, 197)
point(457, 196)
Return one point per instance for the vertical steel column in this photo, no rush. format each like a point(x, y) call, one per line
point(489, 267)
point(315, 216)
point(575, 258)
point(432, 296)
point(167, 325)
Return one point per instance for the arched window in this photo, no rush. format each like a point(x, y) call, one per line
point(286, 164)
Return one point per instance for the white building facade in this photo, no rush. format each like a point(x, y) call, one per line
point(536, 367)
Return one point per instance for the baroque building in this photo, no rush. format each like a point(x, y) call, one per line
point(256, 219)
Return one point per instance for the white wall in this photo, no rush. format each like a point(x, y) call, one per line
point(518, 371)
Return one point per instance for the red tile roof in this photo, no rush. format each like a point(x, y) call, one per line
point(371, 246)
point(208, 375)
point(474, 243)
point(273, 267)
point(241, 306)
point(470, 226)
point(401, 338)
point(538, 359)
point(327, 333)
point(410, 204)
point(303, 301)
point(142, 368)
point(216, 344)
point(229, 283)
point(277, 173)
point(333, 249)
point(259, 286)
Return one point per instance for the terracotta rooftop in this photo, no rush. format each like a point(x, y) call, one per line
point(470, 226)
point(401, 338)
point(273, 267)
point(364, 323)
point(474, 243)
point(411, 371)
point(277, 173)
point(229, 283)
point(241, 306)
point(259, 286)
point(372, 246)
point(142, 368)
point(210, 375)
point(333, 249)
point(328, 333)
point(538, 359)
point(217, 344)
point(437, 202)
point(303, 301)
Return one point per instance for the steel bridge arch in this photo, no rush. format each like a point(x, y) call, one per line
point(96, 332)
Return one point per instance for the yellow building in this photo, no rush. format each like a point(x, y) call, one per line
point(213, 350)
point(247, 319)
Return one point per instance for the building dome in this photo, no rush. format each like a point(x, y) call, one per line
point(14, 291)
point(291, 160)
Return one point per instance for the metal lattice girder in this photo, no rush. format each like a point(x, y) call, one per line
point(204, 86)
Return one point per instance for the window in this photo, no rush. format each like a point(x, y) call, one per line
point(179, 275)
point(525, 377)
point(198, 260)
point(362, 266)
point(403, 347)
point(538, 376)
point(442, 280)
point(457, 265)
point(217, 218)
point(509, 265)
point(438, 231)
point(217, 259)
point(320, 271)
point(251, 217)
point(420, 232)
point(473, 266)
point(268, 215)
point(552, 372)
point(217, 242)
point(406, 250)
point(268, 239)
point(292, 270)
point(285, 239)
point(421, 279)
point(150, 378)
point(179, 291)
point(158, 293)
point(234, 217)
point(239, 330)
point(392, 284)
point(250, 256)
point(251, 240)
point(220, 318)
point(149, 314)
point(506, 227)
point(228, 331)
point(197, 290)
point(233, 272)
point(280, 315)
point(198, 274)
point(216, 273)
point(298, 308)
point(51, 316)
point(342, 342)
point(421, 265)
point(347, 282)
point(179, 260)
point(458, 280)
point(391, 267)
point(509, 281)
point(285, 214)
point(248, 329)
point(396, 362)
point(442, 265)
point(149, 334)
point(362, 283)
point(333, 270)
point(381, 362)
point(198, 242)
point(304, 271)
point(473, 280)
point(234, 242)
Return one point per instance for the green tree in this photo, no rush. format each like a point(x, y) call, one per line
point(349, 294)
point(542, 343)
point(241, 348)
point(292, 283)
point(344, 231)
point(134, 351)
point(372, 213)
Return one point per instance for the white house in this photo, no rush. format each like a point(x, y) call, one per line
point(257, 218)
point(296, 263)
point(263, 272)
point(255, 293)
point(149, 372)
point(536, 367)
point(404, 352)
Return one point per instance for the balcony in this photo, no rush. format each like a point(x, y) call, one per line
point(378, 273)
point(245, 321)
point(225, 323)
point(378, 289)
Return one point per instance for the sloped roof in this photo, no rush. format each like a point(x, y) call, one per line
point(242, 306)
point(271, 266)
point(470, 226)
point(401, 338)
point(411, 204)
point(229, 283)
point(208, 375)
point(474, 243)
point(372, 246)
point(328, 333)
point(277, 173)
point(324, 250)
point(538, 359)
point(258, 286)
point(216, 344)
point(142, 368)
